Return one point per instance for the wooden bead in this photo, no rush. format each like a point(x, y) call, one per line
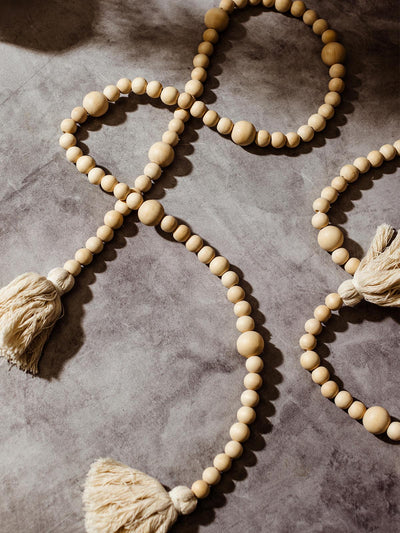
point(317, 122)
point(234, 449)
point(349, 172)
point(176, 125)
point(326, 110)
point(142, 183)
point(67, 140)
point(339, 183)
point(376, 420)
point(169, 95)
point(320, 375)
point(198, 109)
point(333, 301)
point(84, 256)
point(227, 5)
point(206, 254)
point(337, 70)
point(254, 364)
point(182, 114)
point(108, 183)
point(154, 89)
point(243, 133)
point(134, 200)
point(153, 171)
point(249, 398)
point(229, 279)
point(139, 85)
point(263, 138)
point(298, 8)
point(185, 100)
point(113, 219)
point(393, 431)
point(169, 224)
point(73, 267)
point(205, 48)
point(396, 145)
point(201, 60)
point(352, 265)
point(161, 153)
point(330, 194)
point(320, 220)
point(250, 343)
point(95, 175)
point(94, 244)
point(309, 17)
point(329, 389)
point(340, 256)
point(309, 360)
point(210, 118)
point(329, 36)
point(79, 114)
point(322, 313)
point(194, 243)
point(105, 233)
point(306, 133)
point(68, 125)
point(242, 308)
point(321, 205)
point(199, 74)
point(182, 233)
point(95, 103)
point(85, 164)
point(336, 85)
point(239, 432)
point(252, 381)
point(307, 341)
point(216, 19)
point(200, 489)
point(122, 208)
point(362, 164)
point(151, 212)
point(313, 326)
point(278, 139)
point(211, 35)
point(357, 410)
point(112, 93)
point(219, 265)
point(343, 399)
point(235, 294)
point(333, 53)
point(388, 151)
point(268, 3)
point(246, 414)
point(330, 238)
point(222, 462)
point(320, 26)
point(375, 158)
point(283, 5)
point(211, 475)
point(245, 323)
point(224, 126)
point(332, 98)
point(292, 139)
point(194, 88)
point(124, 85)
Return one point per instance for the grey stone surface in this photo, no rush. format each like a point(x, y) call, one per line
point(143, 367)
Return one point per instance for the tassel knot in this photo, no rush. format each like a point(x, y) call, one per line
point(184, 500)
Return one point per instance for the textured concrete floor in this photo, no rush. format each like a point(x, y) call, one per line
point(142, 367)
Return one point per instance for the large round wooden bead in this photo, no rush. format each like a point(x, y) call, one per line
point(113, 219)
point(376, 420)
point(333, 53)
point(250, 343)
point(330, 238)
point(393, 431)
point(243, 133)
point(161, 153)
point(219, 265)
point(234, 449)
point(200, 489)
point(239, 432)
point(151, 212)
point(95, 103)
point(216, 19)
point(357, 410)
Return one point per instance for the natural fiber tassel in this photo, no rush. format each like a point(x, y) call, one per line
point(29, 307)
point(120, 499)
point(377, 278)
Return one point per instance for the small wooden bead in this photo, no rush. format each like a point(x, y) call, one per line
point(333, 53)
point(254, 364)
point(154, 89)
point(224, 126)
point(242, 308)
point(139, 85)
point(309, 360)
point(200, 489)
point(337, 70)
point(329, 36)
point(216, 19)
point(245, 323)
point(95, 175)
point(339, 183)
point(326, 110)
point(329, 389)
point(252, 381)
point(201, 60)
point(151, 212)
point(278, 139)
point(227, 5)
point(182, 114)
point(343, 399)
point(375, 158)
point(206, 254)
point(195, 88)
point(268, 3)
point(246, 414)
point(153, 171)
point(122, 208)
point(239, 432)
point(234, 449)
point(263, 138)
point(134, 200)
point(292, 139)
point(182, 233)
point(321, 205)
point(352, 265)
point(236, 293)
point(333, 301)
point(340, 256)
point(320, 375)
point(198, 109)
point(169, 224)
point(357, 410)
point(194, 243)
point(161, 153)
point(211, 35)
point(250, 343)
point(330, 238)
point(170, 137)
point(108, 183)
point(73, 267)
point(313, 326)
point(376, 420)
point(393, 431)
point(283, 5)
point(362, 164)
point(322, 313)
point(307, 341)
point(67, 140)
point(84, 256)
point(85, 164)
point(105, 233)
point(243, 133)
point(124, 85)
point(336, 85)
point(176, 125)
point(309, 17)
point(396, 145)
point(222, 462)
point(169, 95)
point(388, 151)
point(112, 93)
point(320, 26)
point(332, 98)
point(142, 183)
point(79, 114)
point(94, 244)
point(113, 219)
point(95, 103)
point(185, 100)
point(349, 172)
point(241, 4)
point(199, 74)
point(229, 279)
point(249, 398)
point(211, 118)
point(298, 8)
point(219, 265)
point(330, 194)
point(68, 125)
point(317, 122)
point(320, 220)
point(206, 48)
point(211, 475)
point(306, 133)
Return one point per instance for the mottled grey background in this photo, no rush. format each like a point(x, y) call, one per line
point(143, 366)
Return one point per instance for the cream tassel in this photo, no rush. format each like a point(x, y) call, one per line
point(120, 499)
point(29, 307)
point(377, 278)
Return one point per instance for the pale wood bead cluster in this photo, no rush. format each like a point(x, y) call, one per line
point(375, 419)
point(331, 238)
